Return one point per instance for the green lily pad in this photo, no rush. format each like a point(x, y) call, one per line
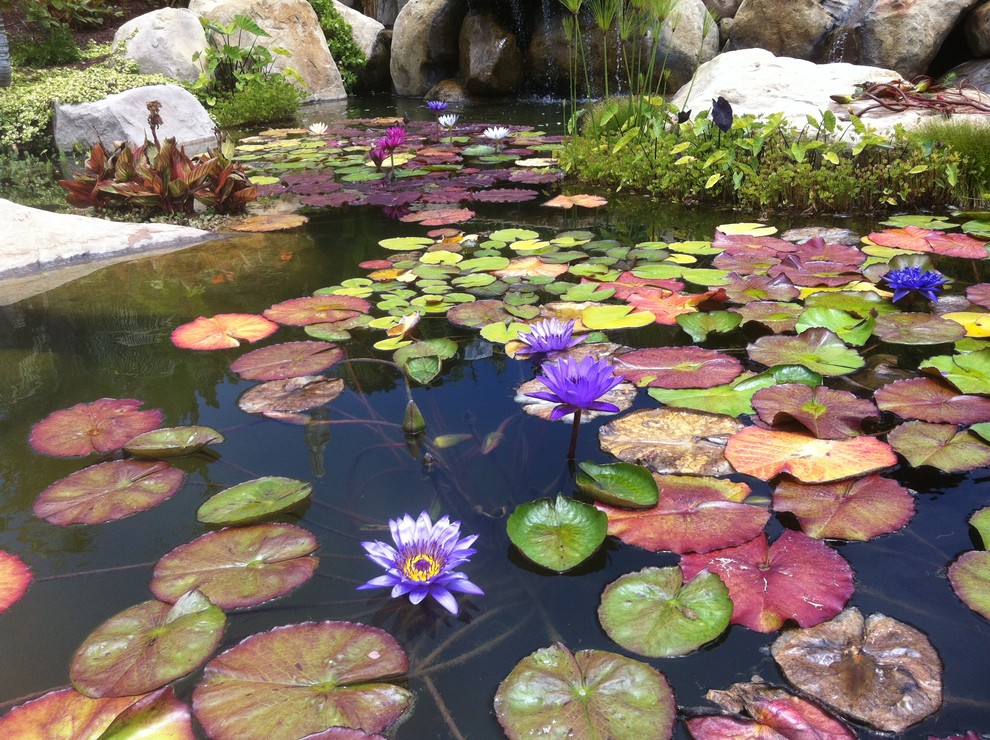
point(654, 613)
point(253, 500)
point(700, 324)
point(819, 350)
point(406, 243)
point(969, 372)
point(173, 441)
point(615, 317)
point(512, 235)
point(301, 679)
point(422, 361)
point(557, 535)
point(942, 446)
point(147, 646)
point(970, 579)
point(238, 567)
point(590, 694)
point(619, 484)
point(851, 329)
point(503, 331)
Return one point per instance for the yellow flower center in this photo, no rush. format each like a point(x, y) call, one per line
point(420, 566)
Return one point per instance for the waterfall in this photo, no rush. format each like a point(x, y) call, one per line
point(846, 16)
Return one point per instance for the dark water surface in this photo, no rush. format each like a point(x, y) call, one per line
point(107, 335)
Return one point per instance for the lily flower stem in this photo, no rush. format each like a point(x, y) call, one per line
point(572, 450)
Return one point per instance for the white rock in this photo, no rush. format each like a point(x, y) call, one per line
point(164, 41)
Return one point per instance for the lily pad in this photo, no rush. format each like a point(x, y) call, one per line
point(422, 361)
point(917, 328)
point(269, 222)
point(700, 325)
point(796, 578)
point(671, 440)
point(942, 446)
point(777, 316)
point(877, 671)
point(15, 577)
point(618, 484)
point(654, 613)
point(223, 331)
point(825, 412)
point(930, 400)
point(238, 567)
point(63, 715)
point(107, 492)
point(819, 350)
point(852, 329)
point(294, 394)
point(693, 514)
point(147, 646)
point(970, 579)
point(101, 426)
point(858, 509)
point(969, 371)
point(677, 367)
point(589, 694)
point(173, 441)
point(317, 309)
point(558, 535)
point(253, 500)
point(158, 714)
point(287, 360)
point(301, 679)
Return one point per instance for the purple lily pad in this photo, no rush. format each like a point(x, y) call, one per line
point(287, 360)
point(677, 367)
point(825, 412)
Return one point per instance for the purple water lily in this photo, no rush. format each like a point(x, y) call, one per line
point(394, 137)
point(914, 280)
point(422, 562)
point(378, 155)
point(549, 335)
point(436, 105)
point(577, 386)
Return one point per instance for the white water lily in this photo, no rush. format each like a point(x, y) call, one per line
point(318, 129)
point(496, 133)
point(448, 120)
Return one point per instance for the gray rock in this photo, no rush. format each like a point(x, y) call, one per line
point(424, 44)
point(163, 41)
point(293, 26)
point(124, 117)
point(364, 29)
point(490, 57)
point(975, 72)
point(976, 26)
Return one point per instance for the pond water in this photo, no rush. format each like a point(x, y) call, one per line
point(107, 335)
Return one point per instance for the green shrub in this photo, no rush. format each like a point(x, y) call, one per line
point(260, 101)
point(971, 141)
point(31, 181)
point(340, 40)
point(55, 46)
point(74, 13)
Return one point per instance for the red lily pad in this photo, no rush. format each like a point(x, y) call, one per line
point(677, 367)
point(15, 577)
point(746, 261)
point(287, 360)
point(222, 331)
point(666, 306)
point(317, 309)
point(942, 446)
point(769, 244)
point(300, 679)
point(159, 714)
point(147, 646)
point(877, 671)
point(917, 328)
point(858, 509)
point(817, 349)
point(797, 578)
point(438, 216)
point(627, 285)
point(173, 441)
point(693, 514)
point(970, 579)
point(589, 694)
point(765, 453)
point(63, 715)
point(930, 400)
point(979, 294)
point(777, 316)
point(107, 492)
point(826, 413)
point(917, 239)
point(238, 567)
point(749, 288)
point(293, 394)
point(101, 426)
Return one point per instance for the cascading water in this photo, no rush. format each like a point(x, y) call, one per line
point(846, 17)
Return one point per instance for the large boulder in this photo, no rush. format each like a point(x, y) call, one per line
point(491, 60)
point(802, 29)
point(293, 26)
point(977, 29)
point(384, 11)
point(375, 42)
point(424, 44)
point(163, 41)
point(124, 117)
point(35, 239)
point(364, 29)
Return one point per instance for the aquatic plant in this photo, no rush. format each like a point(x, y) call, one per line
point(423, 560)
point(549, 335)
point(913, 281)
point(496, 134)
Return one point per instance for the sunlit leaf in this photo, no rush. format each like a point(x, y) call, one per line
point(617, 484)
point(819, 350)
point(976, 324)
point(917, 239)
point(530, 267)
point(654, 613)
point(173, 441)
point(677, 367)
point(589, 694)
point(300, 679)
point(439, 216)
point(569, 201)
point(101, 426)
point(747, 229)
point(942, 446)
point(930, 400)
point(612, 316)
point(825, 412)
point(269, 222)
point(63, 715)
point(970, 579)
point(15, 577)
point(253, 500)
point(849, 328)
point(147, 646)
point(222, 331)
point(317, 309)
point(558, 535)
point(969, 371)
point(422, 361)
point(700, 325)
point(157, 715)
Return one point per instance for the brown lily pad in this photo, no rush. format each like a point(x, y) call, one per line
point(270, 222)
point(677, 367)
point(929, 400)
point(293, 394)
point(287, 360)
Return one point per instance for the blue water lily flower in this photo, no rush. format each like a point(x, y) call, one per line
point(422, 562)
point(577, 386)
point(549, 335)
point(914, 280)
point(436, 105)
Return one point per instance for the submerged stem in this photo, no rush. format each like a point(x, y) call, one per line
point(572, 450)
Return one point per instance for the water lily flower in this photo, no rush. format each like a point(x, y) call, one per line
point(318, 129)
point(448, 121)
point(423, 560)
point(577, 386)
point(496, 134)
point(394, 137)
point(436, 105)
point(549, 335)
point(914, 280)
point(378, 155)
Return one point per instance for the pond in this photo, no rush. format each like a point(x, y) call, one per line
point(108, 335)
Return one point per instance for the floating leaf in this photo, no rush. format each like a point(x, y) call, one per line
point(848, 327)
point(976, 324)
point(104, 425)
point(173, 441)
point(826, 413)
point(589, 694)
point(293, 394)
point(969, 372)
point(478, 314)
point(63, 715)
point(301, 679)
point(700, 325)
point(693, 514)
point(970, 579)
point(569, 201)
point(671, 440)
point(942, 446)
point(677, 367)
point(765, 453)
point(317, 309)
point(746, 229)
point(15, 577)
point(734, 398)
point(621, 396)
point(422, 360)
point(223, 331)
point(980, 521)
point(917, 328)
point(147, 646)
point(796, 578)
point(160, 714)
point(530, 267)
point(877, 671)
point(775, 315)
point(926, 240)
point(287, 360)
point(558, 535)
point(438, 216)
point(269, 222)
point(406, 243)
point(253, 500)
point(107, 492)
point(818, 350)
point(614, 317)
point(618, 484)
point(654, 613)
point(859, 509)
point(238, 567)
point(930, 400)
